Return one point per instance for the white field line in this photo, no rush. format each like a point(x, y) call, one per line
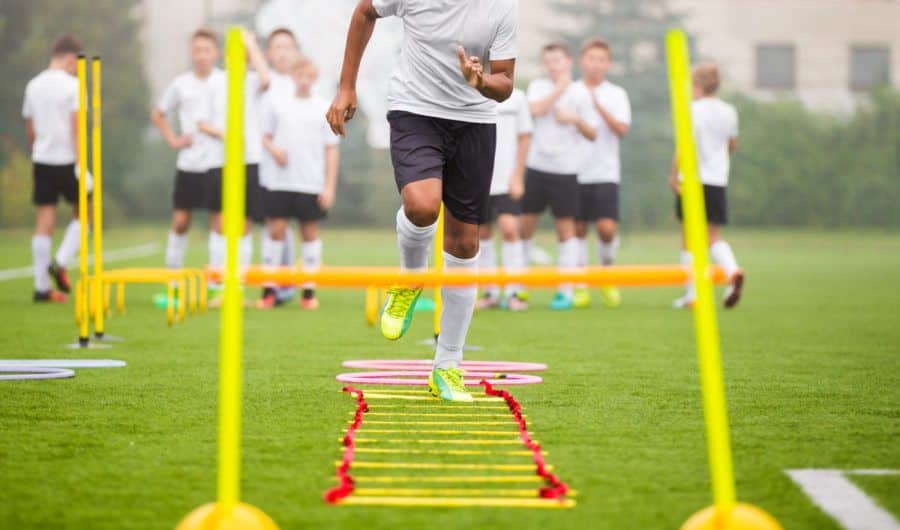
point(111, 256)
point(842, 500)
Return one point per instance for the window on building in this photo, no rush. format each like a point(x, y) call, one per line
point(870, 67)
point(776, 66)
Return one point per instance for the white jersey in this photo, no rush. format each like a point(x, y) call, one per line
point(427, 79)
point(280, 86)
point(298, 126)
point(253, 94)
point(50, 100)
point(513, 120)
point(193, 98)
point(601, 161)
point(555, 147)
point(715, 125)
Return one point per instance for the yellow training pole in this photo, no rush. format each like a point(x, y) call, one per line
point(96, 143)
point(84, 322)
point(724, 514)
point(438, 265)
point(228, 511)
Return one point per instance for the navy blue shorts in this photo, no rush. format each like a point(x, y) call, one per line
point(459, 153)
point(716, 205)
point(599, 200)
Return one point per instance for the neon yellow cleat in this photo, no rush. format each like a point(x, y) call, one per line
point(398, 311)
point(612, 298)
point(582, 298)
point(448, 385)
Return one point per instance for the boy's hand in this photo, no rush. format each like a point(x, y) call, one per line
point(342, 110)
point(471, 68)
point(516, 188)
point(181, 142)
point(674, 183)
point(280, 156)
point(566, 116)
point(326, 199)
point(563, 82)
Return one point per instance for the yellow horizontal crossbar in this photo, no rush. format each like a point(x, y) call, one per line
point(452, 452)
point(436, 414)
point(387, 391)
point(434, 442)
point(466, 479)
point(403, 397)
point(438, 431)
point(440, 465)
point(451, 492)
point(450, 423)
point(364, 277)
point(436, 405)
point(457, 502)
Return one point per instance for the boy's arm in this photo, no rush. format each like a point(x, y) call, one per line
point(362, 24)
point(209, 130)
point(673, 176)
point(542, 106)
point(73, 126)
point(29, 132)
point(732, 145)
point(257, 60)
point(571, 117)
point(279, 154)
point(498, 85)
point(176, 142)
point(332, 161)
point(619, 128)
point(517, 181)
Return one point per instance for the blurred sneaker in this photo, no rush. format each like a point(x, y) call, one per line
point(398, 311)
point(309, 302)
point(685, 302)
point(269, 299)
point(582, 298)
point(515, 304)
point(449, 385)
point(488, 301)
point(49, 297)
point(523, 295)
point(561, 302)
point(734, 290)
point(612, 298)
point(60, 277)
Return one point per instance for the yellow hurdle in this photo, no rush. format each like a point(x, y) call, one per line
point(438, 266)
point(82, 294)
point(97, 145)
point(458, 502)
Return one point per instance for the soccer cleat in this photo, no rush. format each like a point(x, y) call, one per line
point(612, 298)
point(523, 295)
point(582, 298)
point(561, 302)
point(269, 299)
point(685, 302)
point(488, 301)
point(49, 297)
point(734, 290)
point(309, 303)
point(60, 277)
point(398, 311)
point(449, 385)
point(515, 304)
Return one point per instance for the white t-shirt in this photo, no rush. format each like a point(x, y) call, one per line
point(715, 124)
point(193, 98)
point(280, 86)
point(601, 162)
point(298, 126)
point(513, 120)
point(427, 79)
point(555, 147)
point(50, 100)
point(253, 95)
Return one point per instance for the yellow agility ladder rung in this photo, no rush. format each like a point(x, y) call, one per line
point(453, 452)
point(435, 415)
point(457, 502)
point(447, 423)
point(375, 396)
point(467, 479)
point(414, 392)
point(434, 442)
point(451, 492)
point(440, 465)
point(437, 405)
point(446, 432)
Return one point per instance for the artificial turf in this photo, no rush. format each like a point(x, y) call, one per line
point(811, 358)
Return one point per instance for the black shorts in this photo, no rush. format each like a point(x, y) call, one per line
point(503, 204)
point(51, 182)
point(559, 191)
point(460, 153)
point(190, 190)
point(716, 205)
point(254, 193)
point(598, 201)
point(293, 205)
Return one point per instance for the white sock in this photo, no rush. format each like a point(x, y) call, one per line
point(722, 254)
point(687, 261)
point(246, 249)
point(527, 245)
point(272, 254)
point(289, 257)
point(607, 251)
point(217, 249)
point(568, 260)
point(40, 258)
point(458, 306)
point(312, 258)
point(176, 245)
point(513, 261)
point(583, 250)
point(487, 260)
point(413, 242)
point(70, 245)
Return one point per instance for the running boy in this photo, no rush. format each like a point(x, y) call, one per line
point(716, 132)
point(456, 61)
point(191, 94)
point(305, 150)
point(600, 172)
point(559, 108)
point(514, 126)
point(50, 111)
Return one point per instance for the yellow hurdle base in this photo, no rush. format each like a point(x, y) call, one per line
point(740, 517)
point(240, 516)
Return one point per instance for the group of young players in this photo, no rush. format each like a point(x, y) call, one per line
point(461, 136)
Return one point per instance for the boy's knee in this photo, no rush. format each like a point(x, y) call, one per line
point(463, 247)
point(422, 212)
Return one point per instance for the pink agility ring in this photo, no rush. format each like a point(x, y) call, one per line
point(478, 366)
point(420, 378)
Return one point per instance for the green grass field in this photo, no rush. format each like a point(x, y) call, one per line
point(812, 367)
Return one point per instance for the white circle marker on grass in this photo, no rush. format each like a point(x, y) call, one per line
point(425, 364)
point(90, 346)
point(63, 363)
point(26, 373)
point(420, 378)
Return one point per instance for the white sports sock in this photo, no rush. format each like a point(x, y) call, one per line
point(245, 251)
point(71, 244)
point(568, 260)
point(607, 251)
point(217, 250)
point(272, 255)
point(176, 245)
point(458, 306)
point(527, 245)
point(413, 242)
point(687, 261)
point(487, 260)
point(289, 256)
point(583, 251)
point(513, 261)
point(722, 254)
point(312, 258)
point(40, 259)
